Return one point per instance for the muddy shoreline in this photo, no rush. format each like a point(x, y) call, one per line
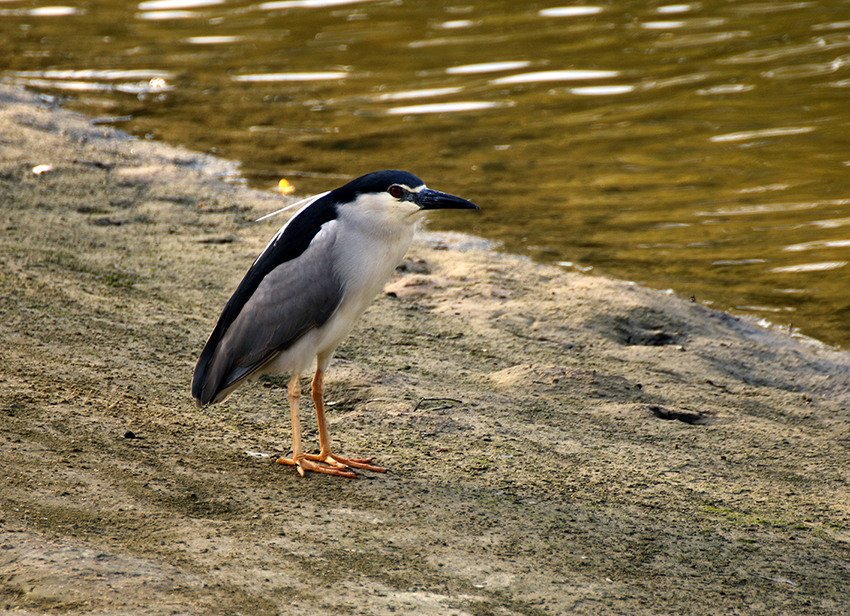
point(558, 443)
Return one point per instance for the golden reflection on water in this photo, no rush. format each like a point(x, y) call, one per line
point(697, 146)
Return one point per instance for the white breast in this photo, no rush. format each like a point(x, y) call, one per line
point(371, 242)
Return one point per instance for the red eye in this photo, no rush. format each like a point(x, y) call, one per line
point(396, 191)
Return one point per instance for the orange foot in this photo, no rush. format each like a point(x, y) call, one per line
point(331, 464)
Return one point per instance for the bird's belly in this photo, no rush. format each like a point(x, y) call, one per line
point(296, 358)
point(317, 343)
point(335, 330)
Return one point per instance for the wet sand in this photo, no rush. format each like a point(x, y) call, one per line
point(558, 443)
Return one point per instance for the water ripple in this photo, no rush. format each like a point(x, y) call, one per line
point(838, 25)
point(213, 40)
point(456, 23)
point(687, 23)
point(153, 86)
point(487, 67)
point(170, 5)
point(817, 244)
point(769, 55)
point(756, 8)
point(833, 223)
point(807, 70)
point(809, 267)
point(165, 15)
point(602, 90)
point(763, 189)
point(424, 93)
point(447, 107)
point(674, 8)
point(738, 262)
point(759, 134)
point(731, 88)
point(53, 11)
point(698, 40)
point(482, 39)
point(771, 208)
point(106, 74)
point(316, 76)
point(306, 4)
point(570, 11)
point(567, 75)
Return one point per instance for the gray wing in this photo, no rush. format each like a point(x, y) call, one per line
point(293, 298)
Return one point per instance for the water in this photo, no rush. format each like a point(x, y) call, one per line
point(703, 147)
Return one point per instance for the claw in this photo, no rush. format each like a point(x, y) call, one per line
point(303, 464)
point(340, 462)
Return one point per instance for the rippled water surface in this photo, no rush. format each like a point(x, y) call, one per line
point(703, 147)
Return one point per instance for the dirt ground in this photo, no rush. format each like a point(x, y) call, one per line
point(558, 443)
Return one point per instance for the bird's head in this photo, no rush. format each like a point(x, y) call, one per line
point(393, 195)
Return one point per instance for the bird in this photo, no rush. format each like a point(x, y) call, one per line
point(304, 292)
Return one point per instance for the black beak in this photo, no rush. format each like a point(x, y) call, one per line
point(429, 199)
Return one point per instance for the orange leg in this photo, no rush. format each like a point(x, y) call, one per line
point(325, 456)
point(299, 460)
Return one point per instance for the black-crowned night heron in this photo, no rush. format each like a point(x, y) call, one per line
point(304, 292)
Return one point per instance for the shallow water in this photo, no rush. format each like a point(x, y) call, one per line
point(702, 147)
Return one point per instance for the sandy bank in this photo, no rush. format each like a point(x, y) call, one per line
point(558, 443)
